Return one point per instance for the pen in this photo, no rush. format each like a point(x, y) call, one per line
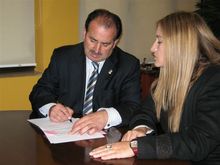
point(70, 119)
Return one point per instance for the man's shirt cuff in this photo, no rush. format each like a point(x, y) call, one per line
point(114, 117)
point(44, 110)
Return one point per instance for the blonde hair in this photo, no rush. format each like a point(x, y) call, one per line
point(189, 47)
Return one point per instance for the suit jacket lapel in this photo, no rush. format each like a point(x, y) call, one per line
point(79, 69)
point(108, 71)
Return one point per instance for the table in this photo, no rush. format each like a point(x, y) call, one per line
point(23, 144)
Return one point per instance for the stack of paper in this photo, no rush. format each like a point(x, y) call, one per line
point(59, 132)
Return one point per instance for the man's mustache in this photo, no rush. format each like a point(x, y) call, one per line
point(96, 53)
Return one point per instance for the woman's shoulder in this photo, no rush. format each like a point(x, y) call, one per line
point(212, 70)
point(209, 78)
point(211, 75)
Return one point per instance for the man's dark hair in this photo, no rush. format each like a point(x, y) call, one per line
point(109, 20)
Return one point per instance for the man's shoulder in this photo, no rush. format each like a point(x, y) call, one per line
point(125, 56)
point(66, 48)
point(68, 52)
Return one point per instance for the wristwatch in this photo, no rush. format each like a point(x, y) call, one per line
point(134, 146)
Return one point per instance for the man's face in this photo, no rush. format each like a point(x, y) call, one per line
point(99, 41)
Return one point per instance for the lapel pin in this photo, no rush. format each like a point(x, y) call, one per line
point(110, 71)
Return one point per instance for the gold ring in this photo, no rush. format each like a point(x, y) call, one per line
point(109, 146)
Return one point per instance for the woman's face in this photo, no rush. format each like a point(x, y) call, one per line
point(157, 49)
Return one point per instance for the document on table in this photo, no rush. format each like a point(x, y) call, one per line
point(59, 132)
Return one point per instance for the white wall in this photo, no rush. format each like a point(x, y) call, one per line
point(138, 18)
point(17, 39)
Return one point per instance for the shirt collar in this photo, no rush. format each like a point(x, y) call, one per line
point(89, 63)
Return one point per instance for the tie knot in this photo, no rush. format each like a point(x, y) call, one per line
point(95, 65)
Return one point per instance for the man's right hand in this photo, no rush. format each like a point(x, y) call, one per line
point(60, 113)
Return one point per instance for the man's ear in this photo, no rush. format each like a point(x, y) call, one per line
point(116, 42)
point(84, 33)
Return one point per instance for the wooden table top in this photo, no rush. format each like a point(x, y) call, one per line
point(23, 144)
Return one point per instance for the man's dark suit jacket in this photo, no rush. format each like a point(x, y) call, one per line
point(118, 83)
point(199, 136)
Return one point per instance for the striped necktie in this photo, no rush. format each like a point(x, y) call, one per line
point(87, 106)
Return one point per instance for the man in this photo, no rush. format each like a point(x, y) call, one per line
point(92, 76)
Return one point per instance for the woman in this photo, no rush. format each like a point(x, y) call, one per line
point(184, 101)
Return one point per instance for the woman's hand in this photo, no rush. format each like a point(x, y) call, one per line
point(113, 151)
point(133, 134)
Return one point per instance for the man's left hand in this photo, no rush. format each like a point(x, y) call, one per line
point(90, 123)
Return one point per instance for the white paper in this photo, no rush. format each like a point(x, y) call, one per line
point(59, 132)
